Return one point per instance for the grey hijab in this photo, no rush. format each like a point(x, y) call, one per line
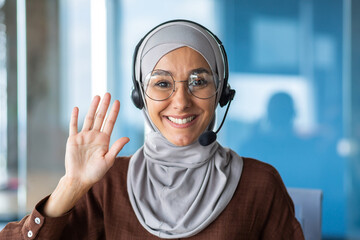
point(178, 191)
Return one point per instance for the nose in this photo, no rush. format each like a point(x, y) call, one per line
point(181, 98)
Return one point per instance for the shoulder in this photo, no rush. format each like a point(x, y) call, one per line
point(258, 172)
point(256, 165)
point(267, 196)
point(262, 182)
point(261, 202)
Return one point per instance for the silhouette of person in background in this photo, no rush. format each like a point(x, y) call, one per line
point(275, 140)
point(280, 116)
point(303, 161)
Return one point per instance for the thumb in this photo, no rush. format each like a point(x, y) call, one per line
point(116, 148)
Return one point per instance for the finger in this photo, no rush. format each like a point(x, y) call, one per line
point(89, 119)
point(116, 148)
point(100, 115)
point(111, 119)
point(73, 128)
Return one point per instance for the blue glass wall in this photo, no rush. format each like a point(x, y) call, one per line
point(286, 64)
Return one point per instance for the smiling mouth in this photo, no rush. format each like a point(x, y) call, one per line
point(181, 120)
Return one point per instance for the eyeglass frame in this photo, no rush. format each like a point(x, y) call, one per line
point(215, 76)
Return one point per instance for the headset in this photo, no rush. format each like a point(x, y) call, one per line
point(227, 94)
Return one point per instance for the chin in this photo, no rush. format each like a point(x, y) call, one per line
point(182, 141)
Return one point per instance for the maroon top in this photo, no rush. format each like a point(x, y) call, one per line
point(261, 208)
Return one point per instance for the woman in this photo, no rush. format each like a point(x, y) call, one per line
point(173, 186)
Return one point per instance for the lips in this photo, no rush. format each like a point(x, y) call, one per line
point(181, 121)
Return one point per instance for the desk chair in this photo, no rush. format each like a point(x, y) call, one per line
point(308, 210)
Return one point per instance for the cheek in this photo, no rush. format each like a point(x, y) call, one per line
point(154, 110)
point(208, 110)
point(210, 107)
point(211, 114)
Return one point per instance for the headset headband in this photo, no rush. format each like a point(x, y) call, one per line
point(137, 96)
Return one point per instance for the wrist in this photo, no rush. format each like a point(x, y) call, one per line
point(65, 196)
point(74, 185)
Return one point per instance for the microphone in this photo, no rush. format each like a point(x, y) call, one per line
point(209, 137)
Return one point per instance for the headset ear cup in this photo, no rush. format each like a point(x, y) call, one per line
point(136, 97)
point(224, 98)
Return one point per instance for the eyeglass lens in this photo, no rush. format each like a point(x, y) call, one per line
point(160, 85)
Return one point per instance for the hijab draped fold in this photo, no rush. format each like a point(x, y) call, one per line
point(177, 191)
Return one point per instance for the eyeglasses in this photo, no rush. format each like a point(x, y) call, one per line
point(159, 85)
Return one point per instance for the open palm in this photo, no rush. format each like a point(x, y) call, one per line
point(88, 156)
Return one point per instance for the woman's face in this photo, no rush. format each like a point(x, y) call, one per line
point(182, 117)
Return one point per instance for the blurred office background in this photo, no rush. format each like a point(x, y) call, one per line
point(293, 63)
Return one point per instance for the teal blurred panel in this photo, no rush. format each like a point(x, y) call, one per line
point(286, 64)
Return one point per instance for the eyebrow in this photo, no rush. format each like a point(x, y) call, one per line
point(159, 72)
point(199, 70)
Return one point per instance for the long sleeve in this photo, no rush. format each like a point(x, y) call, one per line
point(34, 225)
point(84, 221)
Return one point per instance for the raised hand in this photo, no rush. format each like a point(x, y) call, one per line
point(88, 156)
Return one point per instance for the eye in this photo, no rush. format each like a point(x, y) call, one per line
point(197, 81)
point(162, 84)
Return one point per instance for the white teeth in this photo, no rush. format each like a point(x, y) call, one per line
point(181, 121)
